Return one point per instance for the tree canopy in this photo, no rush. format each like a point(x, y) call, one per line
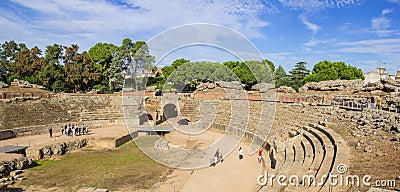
point(105, 67)
point(326, 70)
point(297, 75)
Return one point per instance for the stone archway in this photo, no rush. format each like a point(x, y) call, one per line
point(183, 122)
point(145, 118)
point(170, 111)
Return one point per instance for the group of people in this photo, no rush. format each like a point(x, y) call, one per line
point(260, 151)
point(371, 101)
point(71, 130)
point(216, 159)
point(74, 130)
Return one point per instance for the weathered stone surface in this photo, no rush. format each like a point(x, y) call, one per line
point(21, 83)
point(263, 87)
point(204, 86)
point(285, 89)
point(151, 88)
point(15, 173)
point(333, 85)
point(386, 85)
point(3, 85)
point(92, 189)
point(47, 151)
point(230, 85)
point(7, 167)
point(374, 189)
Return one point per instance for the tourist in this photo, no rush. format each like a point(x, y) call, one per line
point(83, 128)
point(73, 130)
point(240, 153)
point(51, 132)
point(216, 155)
point(372, 102)
point(260, 155)
point(220, 159)
point(67, 131)
point(212, 162)
point(62, 129)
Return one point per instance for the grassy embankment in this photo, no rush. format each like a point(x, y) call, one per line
point(124, 168)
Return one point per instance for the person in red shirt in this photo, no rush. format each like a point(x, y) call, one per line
point(259, 155)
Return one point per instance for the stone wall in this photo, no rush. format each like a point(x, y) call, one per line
point(16, 164)
point(7, 134)
point(124, 139)
point(336, 85)
point(25, 95)
point(55, 149)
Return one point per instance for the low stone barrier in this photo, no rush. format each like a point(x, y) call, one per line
point(6, 167)
point(25, 95)
point(7, 134)
point(56, 149)
point(124, 139)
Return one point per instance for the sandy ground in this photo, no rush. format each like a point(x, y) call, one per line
point(110, 132)
point(230, 175)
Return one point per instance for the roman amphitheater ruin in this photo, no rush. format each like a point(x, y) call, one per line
point(327, 128)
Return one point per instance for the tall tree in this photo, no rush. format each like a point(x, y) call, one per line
point(131, 58)
point(297, 75)
point(326, 70)
point(52, 73)
point(28, 63)
point(270, 65)
point(167, 70)
point(101, 54)
point(143, 61)
point(116, 80)
point(8, 53)
point(281, 78)
point(81, 75)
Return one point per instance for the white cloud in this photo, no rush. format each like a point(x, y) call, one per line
point(380, 25)
point(394, 1)
point(314, 42)
point(345, 26)
point(374, 46)
point(101, 20)
point(313, 5)
point(313, 27)
point(386, 11)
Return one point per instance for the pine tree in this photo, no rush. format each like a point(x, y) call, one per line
point(297, 75)
point(281, 78)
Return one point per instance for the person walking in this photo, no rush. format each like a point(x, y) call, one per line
point(73, 131)
point(220, 159)
point(51, 132)
point(372, 102)
point(216, 155)
point(260, 155)
point(240, 153)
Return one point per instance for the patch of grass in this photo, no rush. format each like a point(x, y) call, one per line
point(123, 168)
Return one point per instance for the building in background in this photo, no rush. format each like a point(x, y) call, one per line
point(373, 77)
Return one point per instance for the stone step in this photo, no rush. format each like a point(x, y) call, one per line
point(309, 154)
point(327, 163)
point(319, 155)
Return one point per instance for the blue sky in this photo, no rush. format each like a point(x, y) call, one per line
point(359, 32)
